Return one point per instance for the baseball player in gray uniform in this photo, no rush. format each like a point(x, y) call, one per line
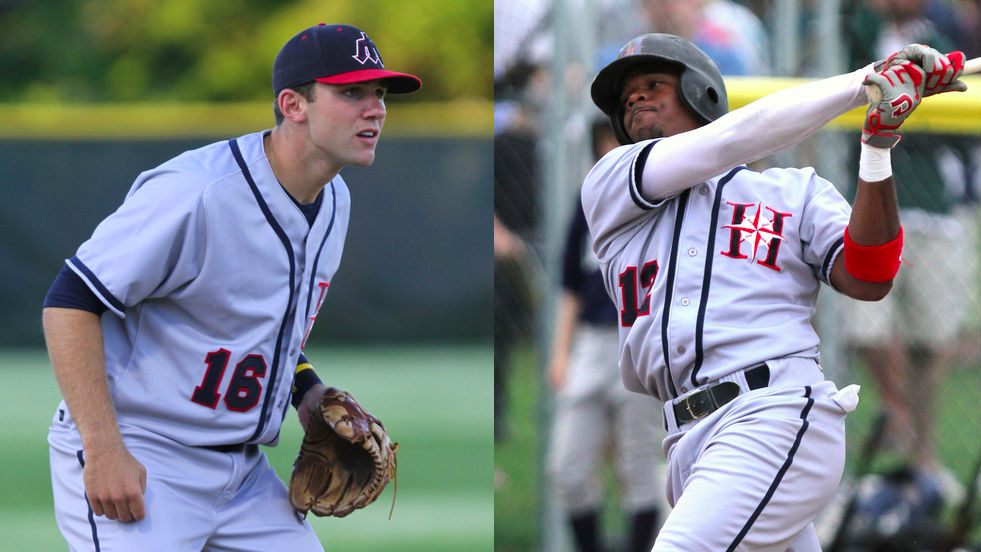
point(715, 270)
point(176, 329)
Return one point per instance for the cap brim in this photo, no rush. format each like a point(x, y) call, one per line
point(398, 83)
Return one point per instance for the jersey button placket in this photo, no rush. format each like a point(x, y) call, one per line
point(687, 285)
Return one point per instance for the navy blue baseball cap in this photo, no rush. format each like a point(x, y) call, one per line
point(335, 54)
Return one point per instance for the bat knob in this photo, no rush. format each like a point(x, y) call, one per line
point(873, 93)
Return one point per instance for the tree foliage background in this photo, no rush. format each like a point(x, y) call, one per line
point(80, 51)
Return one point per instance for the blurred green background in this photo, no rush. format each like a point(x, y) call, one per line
point(202, 50)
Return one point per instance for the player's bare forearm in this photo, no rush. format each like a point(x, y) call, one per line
point(567, 312)
point(74, 341)
point(114, 480)
point(875, 213)
point(874, 221)
point(873, 240)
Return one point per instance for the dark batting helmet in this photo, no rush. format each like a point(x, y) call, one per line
point(700, 85)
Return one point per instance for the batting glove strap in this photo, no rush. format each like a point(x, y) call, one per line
point(873, 263)
point(873, 134)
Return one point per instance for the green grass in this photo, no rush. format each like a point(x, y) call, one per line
point(956, 424)
point(437, 402)
point(517, 460)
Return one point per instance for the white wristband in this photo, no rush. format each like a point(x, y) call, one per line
point(874, 163)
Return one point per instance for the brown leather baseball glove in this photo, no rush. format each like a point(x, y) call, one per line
point(345, 460)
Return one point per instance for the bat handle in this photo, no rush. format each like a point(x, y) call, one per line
point(874, 94)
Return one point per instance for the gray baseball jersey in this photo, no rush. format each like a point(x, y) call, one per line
point(214, 278)
point(714, 280)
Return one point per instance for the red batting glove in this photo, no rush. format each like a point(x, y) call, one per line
point(942, 70)
point(902, 90)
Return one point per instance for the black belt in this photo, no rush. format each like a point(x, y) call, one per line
point(708, 400)
point(239, 447)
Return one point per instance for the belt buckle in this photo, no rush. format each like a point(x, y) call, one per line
point(692, 413)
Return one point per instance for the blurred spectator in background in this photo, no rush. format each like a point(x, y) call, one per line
point(517, 215)
point(593, 408)
point(960, 20)
point(730, 33)
point(906, 339)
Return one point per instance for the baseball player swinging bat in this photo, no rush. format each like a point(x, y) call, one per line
point(874, 94)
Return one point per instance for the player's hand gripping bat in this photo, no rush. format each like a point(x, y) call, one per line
point(874, 94)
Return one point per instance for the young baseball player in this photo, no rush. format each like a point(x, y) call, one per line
point(176, 329)
point(715, 270)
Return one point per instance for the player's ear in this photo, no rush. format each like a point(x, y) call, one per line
point(292, 105)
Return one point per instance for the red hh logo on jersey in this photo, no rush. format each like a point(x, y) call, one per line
point(749, 228)
point(313, 317)
point(363, 52)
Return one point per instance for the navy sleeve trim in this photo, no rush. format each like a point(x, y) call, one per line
point(637, 178)
point(69, 291)
point(826, 268)
point(97, 287)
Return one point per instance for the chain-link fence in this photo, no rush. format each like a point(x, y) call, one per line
point(917, 353)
